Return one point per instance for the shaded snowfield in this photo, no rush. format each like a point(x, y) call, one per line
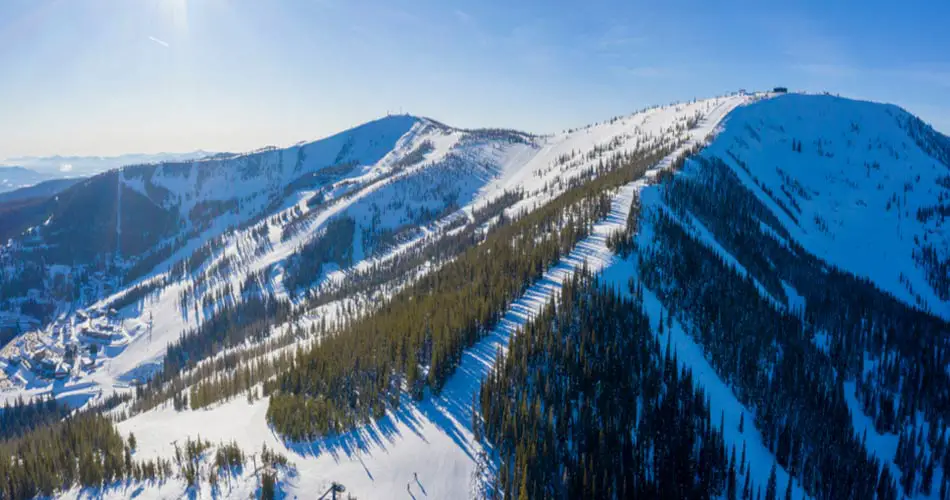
point(432, 438)
point(854, 189)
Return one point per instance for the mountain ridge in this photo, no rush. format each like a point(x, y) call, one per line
point(733, 246)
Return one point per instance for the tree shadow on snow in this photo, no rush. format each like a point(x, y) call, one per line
point(450, 412)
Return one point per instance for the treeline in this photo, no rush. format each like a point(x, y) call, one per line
point(228, 326)
point(333, 245)
point(585, 404)
point(936, 268)
point(85, 451)
point(242, 378)
point(623, 242)
point(21, 416)
point(138, 292)
point(789, 366)
point(415, 156)
point(416, 340)
point(146, 263)
point(231, 366)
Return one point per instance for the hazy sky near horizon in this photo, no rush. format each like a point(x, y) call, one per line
point(105, 77)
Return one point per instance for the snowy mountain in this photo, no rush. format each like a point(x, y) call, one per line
point(378, 307)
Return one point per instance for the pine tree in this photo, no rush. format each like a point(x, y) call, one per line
point(268, 485)
point(731, 484)
point(742, 462)
point(747, 491)
point(770, 489)
point(523, 490)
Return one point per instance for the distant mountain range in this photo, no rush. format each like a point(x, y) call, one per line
point(12, 178)
point(84, 166)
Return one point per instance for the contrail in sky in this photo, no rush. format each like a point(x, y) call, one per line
point(163, 43)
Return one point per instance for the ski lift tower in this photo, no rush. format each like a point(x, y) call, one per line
point(335, 488)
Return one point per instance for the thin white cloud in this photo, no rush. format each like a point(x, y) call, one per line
point(464, 17)
point(66, 167)
point(163, 43)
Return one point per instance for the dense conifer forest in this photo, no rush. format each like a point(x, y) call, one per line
point(586, 403)
point(21, 416)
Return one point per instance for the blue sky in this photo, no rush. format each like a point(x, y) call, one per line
point(119, 76)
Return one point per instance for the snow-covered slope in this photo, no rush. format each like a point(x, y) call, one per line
point(185, 234)
point(856, 183)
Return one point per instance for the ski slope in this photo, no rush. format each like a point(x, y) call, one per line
point(433, 438)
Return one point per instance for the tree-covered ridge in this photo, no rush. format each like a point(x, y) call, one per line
point(586, 404)
point(416, 339)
